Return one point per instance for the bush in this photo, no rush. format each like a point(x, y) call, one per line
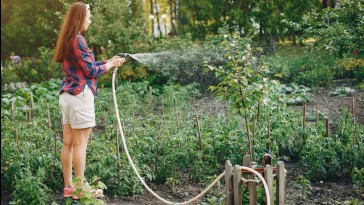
point(312, 69)
point(39, 70)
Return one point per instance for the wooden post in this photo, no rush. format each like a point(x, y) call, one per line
point(253, 137)
point(15, 125)
point(267, 160)
point(258, 114)
point(49, 117)
point(162, 106)
point(55, 142)
point(252, 188)
point(268, 176)
point(280, 184)
point(237, 185)
point(304, 116)
point(105, 121)
point(327, 128)
point(175, 110)
point(133, 120)
point(150, 99)
point(247, 163)
point(316, 114)
point(198, 131)
point(268, 127)
point(353, 107)
point(229, 200)
point(13, 110)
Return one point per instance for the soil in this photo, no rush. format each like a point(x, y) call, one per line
point(340, 191)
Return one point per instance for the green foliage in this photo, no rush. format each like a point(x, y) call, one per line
point(339, 30)
point(85, 192)
point(30, 189)
point(304, 184)
point(312, 69)
point(242, 79)
point(39, 70)
point(163, 149)
point(357, 176)
point(23, 32)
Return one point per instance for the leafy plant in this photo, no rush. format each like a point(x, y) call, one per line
point(304, 184)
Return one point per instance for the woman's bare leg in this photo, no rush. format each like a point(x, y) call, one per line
point(80, 141)
point(67, 155)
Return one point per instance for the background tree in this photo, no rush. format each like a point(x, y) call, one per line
point(27, 25)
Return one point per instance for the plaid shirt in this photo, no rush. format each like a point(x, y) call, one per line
point(81, 69)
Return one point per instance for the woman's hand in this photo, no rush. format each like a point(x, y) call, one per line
point(115, 62)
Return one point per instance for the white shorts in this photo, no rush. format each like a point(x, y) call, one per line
point(78, 110)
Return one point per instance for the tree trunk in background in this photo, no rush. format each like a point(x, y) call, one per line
point(157, 15)
point(294, 43)
point(151, 13)
point(332, 3)
point(173, 16)
point(260, 31)
point(324, 4)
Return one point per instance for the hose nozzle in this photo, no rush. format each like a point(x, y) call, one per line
point(123, 55)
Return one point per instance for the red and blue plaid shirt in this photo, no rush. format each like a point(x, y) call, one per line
point(81, 69)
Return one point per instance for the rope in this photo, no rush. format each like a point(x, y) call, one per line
point(141, 179)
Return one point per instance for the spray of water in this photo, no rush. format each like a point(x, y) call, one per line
point(147, 58)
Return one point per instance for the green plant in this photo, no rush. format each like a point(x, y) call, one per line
point(30, 189)
point(173, 184)
point(357, 176)
point(242, 79)
point(342, 91)
point(85, 192)
point(304, 184)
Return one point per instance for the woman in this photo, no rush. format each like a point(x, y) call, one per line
point(78, 90)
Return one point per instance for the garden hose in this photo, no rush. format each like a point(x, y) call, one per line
point(143, 182)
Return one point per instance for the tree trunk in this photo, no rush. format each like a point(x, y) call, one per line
point(151, 13)
point(157, 15)
point(332, 3)
point(173, 17)
point(324, 4)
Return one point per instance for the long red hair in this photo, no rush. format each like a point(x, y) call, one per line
point(71, 26)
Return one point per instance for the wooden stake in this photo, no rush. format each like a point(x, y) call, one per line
point(198, 131)
point(281, 183)
point(316, 114)
point(49, 117)
point(304, 116)
point(237, 185)
point(150, 99)
point(229, 191)
point(105, 121)
point(175, 110)
point(258, 115)
point(15, 125)
point(327, 128)
point(162, 106)
point(353, 107)
point(268, 132)
point(247, 133)
point(133, 119)
point(55, 142)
